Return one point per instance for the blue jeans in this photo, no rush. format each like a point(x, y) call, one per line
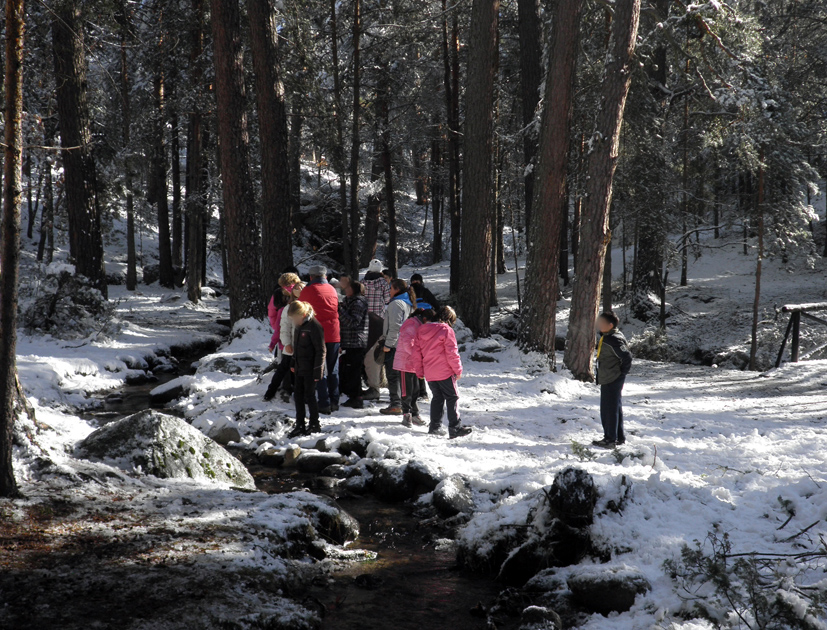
point(328, 387)
point(611, 410)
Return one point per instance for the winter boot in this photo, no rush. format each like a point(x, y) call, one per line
point(406, 420)
point(604, 443)
point(300, 430)
point(417, 421)
point(314, 427)
point(459, 431)
point(370, 394)
point(436, 430)
point(391, 411)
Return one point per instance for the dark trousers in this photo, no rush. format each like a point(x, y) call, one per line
point(328, 387)
point(305, 394)
point(281, 374)
point(611, 410)
point(444, 394)
point(394, 379)
point(410, 393)
point(351, 363)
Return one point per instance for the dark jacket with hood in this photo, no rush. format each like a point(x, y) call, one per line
point(309, 349)
point(613, 357)
point(424, 297)
point(353, 321)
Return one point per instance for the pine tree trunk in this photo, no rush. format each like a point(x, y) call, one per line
point(161, 191)
point(276, 225)
point(531, 74)
point(10, 261)
point(242, 245)
point(539, 308)
point(352, 232)
point(451, 79)
point(295, 149)
point(478, 218)
point(756, 304)
point(564, 238)
point(436, 191)
point(85, 241)
point(602, 161)
point(372, 214)
point(126, 123)
point(195, 180)
point(177, 231)
point(383, 104)
point(339, 147)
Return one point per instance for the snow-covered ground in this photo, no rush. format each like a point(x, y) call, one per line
point(709, 449)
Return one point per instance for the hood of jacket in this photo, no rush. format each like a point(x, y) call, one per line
point(403, 297)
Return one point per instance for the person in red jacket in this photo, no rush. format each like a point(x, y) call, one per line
point(324, 299)
point(435, 357)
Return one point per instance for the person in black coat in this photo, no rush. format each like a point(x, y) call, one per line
point(613, 364)
point(354, 326)
point(309, 353)
point(423, 294)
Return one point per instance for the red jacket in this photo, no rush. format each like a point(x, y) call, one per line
point(325, 302)
point(434, 354)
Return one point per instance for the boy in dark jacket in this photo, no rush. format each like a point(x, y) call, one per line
point(353, 322)
point(613, 364)
point(309, 355)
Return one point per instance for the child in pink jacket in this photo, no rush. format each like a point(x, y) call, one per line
point(403, 363)
point(435, 357)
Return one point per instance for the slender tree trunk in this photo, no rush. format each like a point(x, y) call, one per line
point(753, 351)
point(126, 146)
point(10, 261)
point(436, 191)
point(602, 161)
point(564, 238)
point(177, 231)
point(161, 191)
point(242, 242)
point(383, 104)
point(451, 64)
point(85, 241)
point(352, 231)
point(296, 124)
point(32, 209)
point(531, 74)
point(45, 247)
point(607, 275)
point(195, 180)
point(276, 226)
point(475, 289)
point(339, 148)
point(372, 212)
point(539, 308)
point(685, 186)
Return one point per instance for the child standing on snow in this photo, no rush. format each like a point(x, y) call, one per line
point(402, 362)
point(309, 355)
point(399, 309)
point(435, 357)
point(291, 287)
point(613, 364)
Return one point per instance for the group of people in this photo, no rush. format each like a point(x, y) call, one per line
point(380, 329)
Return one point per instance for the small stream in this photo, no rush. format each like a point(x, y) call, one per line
point(413, 583)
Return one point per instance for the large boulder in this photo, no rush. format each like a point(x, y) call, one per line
point(573, 496)
point(315, 461)
point(331, 521)
point(607, 590)
point(423, 476)
point(166, 447)
point(453, 496)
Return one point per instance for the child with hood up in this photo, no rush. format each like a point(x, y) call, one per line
point(435, 357)
point(403, 364)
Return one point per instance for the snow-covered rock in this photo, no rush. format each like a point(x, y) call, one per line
point(316, 461)
point(453, 496)
point(166, 447)
point(607, 590)
point(573, 496)
point(390, 482)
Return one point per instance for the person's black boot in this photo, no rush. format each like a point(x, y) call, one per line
point(299, 430)
point(314, 427)
point(459, 431)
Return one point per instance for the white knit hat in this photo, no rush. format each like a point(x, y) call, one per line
point(375, 266)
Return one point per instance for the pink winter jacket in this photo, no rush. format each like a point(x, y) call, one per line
point(434, 355)
point(274, 314)
point(402, 359)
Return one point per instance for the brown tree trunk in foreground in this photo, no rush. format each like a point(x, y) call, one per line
point(602, 161)
point(242, 242)
point(531, 74)
point(276, 228)
point(539, 308)
point(753, 350)
point(10, 262)
point(195, 180)
point(478, 217)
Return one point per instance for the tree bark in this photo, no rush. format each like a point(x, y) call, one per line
point(602, 161)
point(531, 75)
point(372, 212)
point(195, 180)
point(242, 242)
point(383, 103)
point(352, 248)
point(85, 241)
point(475, 265)
point(160, 188)
point(435, 177)
point(126, 146)
point(756, 304)
point(175, 148)
point(451, 80)
point(10, 261)
point(276, 225)
point(339, 147)
point(539, 308)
